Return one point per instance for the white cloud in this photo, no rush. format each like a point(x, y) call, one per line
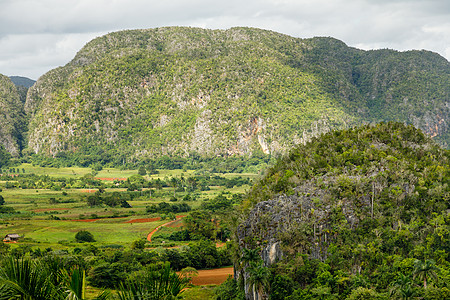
point(37, 35)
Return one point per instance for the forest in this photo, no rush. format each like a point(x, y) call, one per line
point(361, 213)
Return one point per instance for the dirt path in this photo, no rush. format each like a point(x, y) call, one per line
point(149, 236)
point(214, 276)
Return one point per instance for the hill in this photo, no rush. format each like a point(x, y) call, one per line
point(22, 81)
point(22, 84)
point(136, 94)
point(12, 117)
point(352, 211)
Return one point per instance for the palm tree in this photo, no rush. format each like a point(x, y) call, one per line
point(33, 280)
point(424, 270)
point(403, 288)
point(155, 284)
point(25, 279)
point(249, 256)
point(258, 279)
point(75, 285)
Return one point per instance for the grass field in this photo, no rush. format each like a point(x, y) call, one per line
point(51, 218)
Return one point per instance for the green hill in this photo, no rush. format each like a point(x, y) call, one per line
point(353, 211)
point(145, 93)
point(22, 85)
point(12, 117)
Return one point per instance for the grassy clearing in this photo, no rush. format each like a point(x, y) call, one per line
point(198, 293)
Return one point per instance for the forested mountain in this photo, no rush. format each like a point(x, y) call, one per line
point(12, 118)
point(22, 81)
point(363, 211)
point(145, 93)
point(22, 84)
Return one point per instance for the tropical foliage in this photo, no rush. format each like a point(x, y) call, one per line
point(363, 211)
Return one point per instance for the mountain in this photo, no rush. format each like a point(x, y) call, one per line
point(12, 117)
point(22, 84)
point(352, 209)
point(22, 81)
point(135, 94)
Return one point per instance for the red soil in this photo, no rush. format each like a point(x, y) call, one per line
point(213, 276)
point(149, 236)
point(146, 220)
point(176, 224)
point(89, 191)
point(50, 209)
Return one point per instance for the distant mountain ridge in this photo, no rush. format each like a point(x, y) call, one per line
point(179, 90)
point(22, 81)
point(22, 84)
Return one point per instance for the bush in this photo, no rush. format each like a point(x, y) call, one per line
point(84, 236)
point(138, 244)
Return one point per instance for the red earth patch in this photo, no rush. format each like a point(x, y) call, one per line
point(213, 276)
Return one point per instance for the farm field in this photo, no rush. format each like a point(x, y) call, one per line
point(51, 218)
point(124, 212)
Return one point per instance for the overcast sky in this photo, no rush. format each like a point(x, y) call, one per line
point(39, 35)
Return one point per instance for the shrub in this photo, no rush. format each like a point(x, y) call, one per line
point(84, 236)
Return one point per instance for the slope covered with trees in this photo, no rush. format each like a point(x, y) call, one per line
point(177, 91)
point(363, 211)
point(12, 118)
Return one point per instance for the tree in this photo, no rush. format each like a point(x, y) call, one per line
point(402, 287)
point(258, 279)
point(138, 244)
point(249, 256)
point(362, 293)
point(75, 285)
point(34, 280)
point(106, 275)
point(142, 171)
point(156, 283)
point(174, 183)
point(25, 279)
point(199, 224)
point(4, 157)
point(84, 236)
point(2, 200)
point(424, 270)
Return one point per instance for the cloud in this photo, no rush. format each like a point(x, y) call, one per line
point(37, 35)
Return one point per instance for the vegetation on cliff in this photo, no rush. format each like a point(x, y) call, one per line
point(357, 211)
point(12, 118)
point(178, 91)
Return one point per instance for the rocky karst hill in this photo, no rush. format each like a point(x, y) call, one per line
point(144, 93)
point(12, 117)
point(357, 202)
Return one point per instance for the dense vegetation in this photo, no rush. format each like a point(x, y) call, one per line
point(78, 222)
point(22, 84)
point(12, 119)
point(134, 95)
point(361, 213)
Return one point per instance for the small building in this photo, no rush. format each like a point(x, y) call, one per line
point(12, 237)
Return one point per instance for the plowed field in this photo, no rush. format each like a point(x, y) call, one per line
point(213, 276)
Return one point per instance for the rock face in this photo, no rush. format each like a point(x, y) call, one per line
point(12, 120)
point(334, 188)
point(221, 92)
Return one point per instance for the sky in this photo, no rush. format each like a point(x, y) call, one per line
point(39, 35)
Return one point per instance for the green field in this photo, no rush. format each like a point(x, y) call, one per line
point(49, 218)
